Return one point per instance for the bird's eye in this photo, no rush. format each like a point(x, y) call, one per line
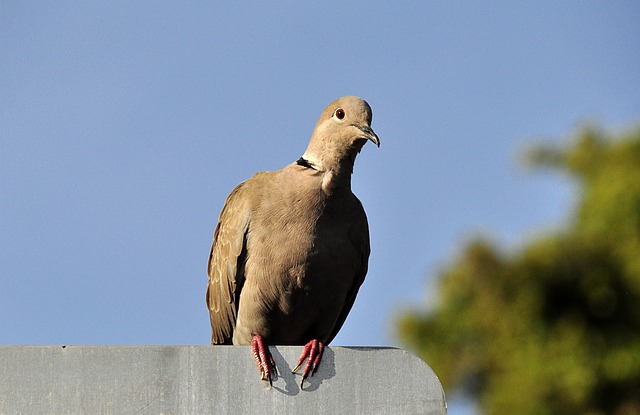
point(339, 114)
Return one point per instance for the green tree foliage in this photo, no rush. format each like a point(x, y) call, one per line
point(553, 328)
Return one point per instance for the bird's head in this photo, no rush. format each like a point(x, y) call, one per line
point(342, 129)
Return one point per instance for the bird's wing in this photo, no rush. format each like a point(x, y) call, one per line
point(360, 237)
point(226, 265)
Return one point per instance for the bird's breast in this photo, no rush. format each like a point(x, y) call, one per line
point(302, 265)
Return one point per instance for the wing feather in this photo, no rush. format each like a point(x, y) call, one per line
point(360, 238)
point(226, 265)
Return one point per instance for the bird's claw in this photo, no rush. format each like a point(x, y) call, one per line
point(264, 360)
point(313, 354)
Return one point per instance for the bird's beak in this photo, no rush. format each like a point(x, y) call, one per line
point(369, 134)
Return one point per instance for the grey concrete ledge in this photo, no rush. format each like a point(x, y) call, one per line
point(207, 380)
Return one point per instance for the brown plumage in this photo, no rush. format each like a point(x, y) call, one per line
point(291, 247)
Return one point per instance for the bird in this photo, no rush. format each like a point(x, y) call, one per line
point(291, 247)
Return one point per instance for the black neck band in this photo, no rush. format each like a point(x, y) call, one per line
point(304, 163)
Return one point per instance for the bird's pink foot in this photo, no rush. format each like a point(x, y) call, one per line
point(313, 352)
point(263, 358)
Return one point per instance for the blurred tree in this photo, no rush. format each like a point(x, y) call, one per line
point(555, 327)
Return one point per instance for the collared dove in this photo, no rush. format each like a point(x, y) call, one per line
point(291, 247)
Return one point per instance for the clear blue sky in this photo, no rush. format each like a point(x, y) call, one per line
point(124, 126)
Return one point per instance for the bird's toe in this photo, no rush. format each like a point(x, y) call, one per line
point(264, 361)
point(312, 353)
